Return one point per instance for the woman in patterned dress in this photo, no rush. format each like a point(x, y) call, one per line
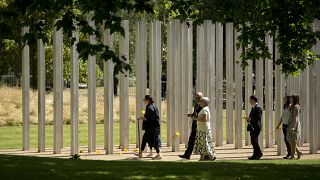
point(294, 126)
point(203, 143)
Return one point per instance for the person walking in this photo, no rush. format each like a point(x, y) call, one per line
point(294, 126)
point(204, 143)
point(284, 120)
point(197, 108)
point(254, 127)
point(152, 128)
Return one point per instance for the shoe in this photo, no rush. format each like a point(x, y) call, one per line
point(252, 158)
point(157, 157)
point(184, 157)
point(259, 156)
point(287, 157)
point(299, 155)
point(213, 158)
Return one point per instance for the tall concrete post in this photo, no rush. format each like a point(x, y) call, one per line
point(229, 81)
point(238, 93)
point(200, 59)
point(189, 76)
point(92, 81)
point(108, 95)
point(248, 93)
point(74, 86)
point(269, 94)
point(177, 87)
point(279, 93)
point(141, 73)
point(184, 75)
point(259, 93)
point(41, 95)
point(25, 93)
point(212, 90)
point(304, 100)
point(169, 93)
point(124, 88)
point(57, 90)
point(155, 65)
point(219, 84)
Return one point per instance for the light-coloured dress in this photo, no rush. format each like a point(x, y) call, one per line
point(204, 143)
point(294, 125)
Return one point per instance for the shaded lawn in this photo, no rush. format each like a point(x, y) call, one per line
point(19, 167)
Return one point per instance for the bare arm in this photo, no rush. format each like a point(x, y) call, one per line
point(280, 122)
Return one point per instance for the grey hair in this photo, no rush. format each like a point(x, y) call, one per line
point(206, 100)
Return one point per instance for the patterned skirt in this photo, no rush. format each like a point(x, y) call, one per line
point(203, 144)
point(294, 135)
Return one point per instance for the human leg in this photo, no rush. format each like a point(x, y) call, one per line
point(191, 141)
point(285, 134)
point(293, 148)
point(255, 144)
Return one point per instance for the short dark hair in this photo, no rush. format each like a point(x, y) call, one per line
point(149, 98)
point(253, 97)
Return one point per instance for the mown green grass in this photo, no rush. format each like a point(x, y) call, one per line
point(11, 136)
point(17, 167)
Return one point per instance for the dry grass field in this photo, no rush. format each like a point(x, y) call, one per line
point(11, 107)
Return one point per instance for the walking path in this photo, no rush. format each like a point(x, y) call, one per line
point(226, 152)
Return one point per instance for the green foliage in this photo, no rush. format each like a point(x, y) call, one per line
point(288, 21)
point(40, 16)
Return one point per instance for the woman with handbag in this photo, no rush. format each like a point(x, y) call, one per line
point(152, 128)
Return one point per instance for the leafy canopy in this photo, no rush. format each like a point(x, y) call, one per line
point(290, 22)
point(40, 16)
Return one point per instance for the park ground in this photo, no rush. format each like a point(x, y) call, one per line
point(25, 167)
point(231, 163)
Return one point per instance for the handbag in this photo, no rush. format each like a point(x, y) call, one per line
point(250, 127)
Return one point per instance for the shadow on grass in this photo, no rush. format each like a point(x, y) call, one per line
point(19, 167)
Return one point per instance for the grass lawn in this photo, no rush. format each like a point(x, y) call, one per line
point(11, 136)
point(17, 167)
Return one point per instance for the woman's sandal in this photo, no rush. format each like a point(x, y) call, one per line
point(299, 155)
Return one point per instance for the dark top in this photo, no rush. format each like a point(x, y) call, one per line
point(152, 123)
point(197, 109)
point(255, 117)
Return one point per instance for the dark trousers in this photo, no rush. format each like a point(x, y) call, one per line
point(192, 138)
point(144, 142)
point(285, 133)
point(255, 143)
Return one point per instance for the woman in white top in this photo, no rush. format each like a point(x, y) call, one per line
point(285, 121)
point(203, 143)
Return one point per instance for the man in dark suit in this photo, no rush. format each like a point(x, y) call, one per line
point(254, 127)
point(197, 108)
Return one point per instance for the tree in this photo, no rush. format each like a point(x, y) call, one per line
point(288, 21)
point(71, 14)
